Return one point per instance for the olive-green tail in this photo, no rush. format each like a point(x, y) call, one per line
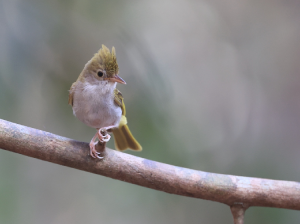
point(124, 139)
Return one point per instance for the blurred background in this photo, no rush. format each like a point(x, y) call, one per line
point(211, 85)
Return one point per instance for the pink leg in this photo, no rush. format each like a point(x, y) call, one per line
point(104, 138)
point(93, 144)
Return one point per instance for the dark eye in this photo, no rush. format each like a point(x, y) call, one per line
point(100, 74)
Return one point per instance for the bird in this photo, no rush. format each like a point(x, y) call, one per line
point(97, 102)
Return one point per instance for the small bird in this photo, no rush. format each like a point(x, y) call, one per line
point(97, 103)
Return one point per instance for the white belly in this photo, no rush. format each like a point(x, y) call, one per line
point(94, 106)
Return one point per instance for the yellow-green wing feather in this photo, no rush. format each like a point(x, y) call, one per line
point(71, 94)
point(123, 137)
point(119, 100)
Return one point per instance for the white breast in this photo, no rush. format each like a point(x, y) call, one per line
point(94, 104)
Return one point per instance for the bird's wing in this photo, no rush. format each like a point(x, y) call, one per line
point(71, 94)
point(119, 100)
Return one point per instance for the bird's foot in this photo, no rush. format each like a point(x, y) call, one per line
point(93, 151)
point(103, 136)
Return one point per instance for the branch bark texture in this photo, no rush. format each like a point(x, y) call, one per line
point(227, 189)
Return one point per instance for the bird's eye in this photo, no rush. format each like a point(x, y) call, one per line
point(100, 73)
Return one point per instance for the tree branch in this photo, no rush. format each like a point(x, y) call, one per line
point(236, 191)
point(238, 212)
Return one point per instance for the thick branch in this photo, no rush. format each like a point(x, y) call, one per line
point(227, 189)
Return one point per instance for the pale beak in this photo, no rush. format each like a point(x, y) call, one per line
point(116, 79)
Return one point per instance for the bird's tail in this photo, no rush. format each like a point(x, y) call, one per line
point(123, 137)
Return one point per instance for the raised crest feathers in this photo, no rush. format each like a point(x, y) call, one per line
point(106, 60)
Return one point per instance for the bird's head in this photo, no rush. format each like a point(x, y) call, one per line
point(103, 66)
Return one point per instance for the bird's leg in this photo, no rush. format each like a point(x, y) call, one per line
point(93, 144)
point(103, 136)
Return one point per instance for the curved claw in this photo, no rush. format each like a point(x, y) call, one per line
point(93, 151)
point(103, 138)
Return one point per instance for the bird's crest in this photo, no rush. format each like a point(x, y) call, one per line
point(105, 60)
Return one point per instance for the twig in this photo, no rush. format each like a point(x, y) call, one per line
point(235, 191)
point(238, 212)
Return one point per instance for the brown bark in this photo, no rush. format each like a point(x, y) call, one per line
point(238, 212)
point(236, 191)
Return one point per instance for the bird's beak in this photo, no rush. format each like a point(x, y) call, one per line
point(117, 78)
